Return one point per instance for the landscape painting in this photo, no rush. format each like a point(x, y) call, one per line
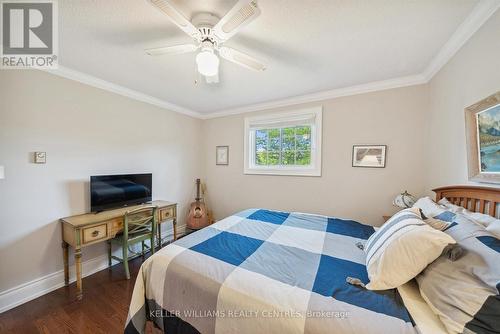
point(372, 156)
point(488, 123)
point(482, 132)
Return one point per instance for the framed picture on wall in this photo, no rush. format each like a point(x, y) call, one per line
point(371, 156)
point(222, 155)
point(482, 130)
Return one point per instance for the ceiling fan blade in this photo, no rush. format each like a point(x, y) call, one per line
point(172, 50)
point(244, 12)
point(176, 16)
point(241, 58)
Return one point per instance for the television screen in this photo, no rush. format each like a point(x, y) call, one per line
point(113, 191)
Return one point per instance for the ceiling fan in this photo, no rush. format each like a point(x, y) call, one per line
point(209, 34)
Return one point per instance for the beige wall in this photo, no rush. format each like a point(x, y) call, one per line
point(423, 127)
point(393, 117)
point(471, 75)
point(85, 131)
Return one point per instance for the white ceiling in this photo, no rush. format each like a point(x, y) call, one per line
point(308, 46)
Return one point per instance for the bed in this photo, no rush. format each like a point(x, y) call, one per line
point(474, 198)
point(278, 272)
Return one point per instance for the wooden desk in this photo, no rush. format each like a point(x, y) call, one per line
point(91, 228)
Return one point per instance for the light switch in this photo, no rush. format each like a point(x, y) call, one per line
point(40, 157)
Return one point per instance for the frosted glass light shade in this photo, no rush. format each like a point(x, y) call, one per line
point(2, 172)
point(208, 63)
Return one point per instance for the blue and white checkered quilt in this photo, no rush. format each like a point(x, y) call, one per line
point(262, 271)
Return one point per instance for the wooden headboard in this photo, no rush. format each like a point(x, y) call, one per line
point(478, 199)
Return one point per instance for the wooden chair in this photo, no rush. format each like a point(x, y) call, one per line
point(139, 225)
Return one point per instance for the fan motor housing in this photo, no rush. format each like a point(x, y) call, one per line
point(205, 22)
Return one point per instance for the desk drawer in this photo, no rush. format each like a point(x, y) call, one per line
point(116, 224)
point(167, 213)
point(94, 233)
point(114, 227)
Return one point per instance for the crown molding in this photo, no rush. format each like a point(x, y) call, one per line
point(477, 17)
point(90, 80)
point(324, 95)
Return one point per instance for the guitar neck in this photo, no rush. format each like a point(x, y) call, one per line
point(198, 198)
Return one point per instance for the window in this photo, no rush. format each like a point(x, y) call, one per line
point(284, 144)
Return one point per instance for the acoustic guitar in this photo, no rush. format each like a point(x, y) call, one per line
point(198, 213)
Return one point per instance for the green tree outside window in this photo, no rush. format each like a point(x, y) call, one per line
point(290, 146)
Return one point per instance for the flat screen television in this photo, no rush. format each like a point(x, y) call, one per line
point(114, 191)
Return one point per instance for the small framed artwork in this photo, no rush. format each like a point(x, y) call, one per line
point(371, 156)
point(222, 155)
point(482, 130)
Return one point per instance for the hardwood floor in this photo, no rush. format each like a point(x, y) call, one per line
point(104, 308)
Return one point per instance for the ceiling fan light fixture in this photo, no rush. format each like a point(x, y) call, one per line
point(208, 63)
point(209, 34)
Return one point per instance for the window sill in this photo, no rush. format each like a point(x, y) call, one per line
point(283, 172)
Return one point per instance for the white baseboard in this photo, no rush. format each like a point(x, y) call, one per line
point(28, 291)
point(38, 287)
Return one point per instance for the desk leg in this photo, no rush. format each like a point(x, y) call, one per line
point(66, 266)
point(159, 235)
point(78, 265)
point(174, 222)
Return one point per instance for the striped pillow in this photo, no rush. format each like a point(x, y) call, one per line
point(401, 249)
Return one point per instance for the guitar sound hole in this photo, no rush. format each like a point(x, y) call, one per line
point(197, 212)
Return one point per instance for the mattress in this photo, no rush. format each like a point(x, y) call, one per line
point(262, 271)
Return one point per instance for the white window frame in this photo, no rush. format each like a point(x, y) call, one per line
point(316, 138)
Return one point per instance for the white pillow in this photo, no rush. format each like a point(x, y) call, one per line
point(481, 218)
point(450, 206)
point(401, 249)
point(429, 207)
point(494, 228)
